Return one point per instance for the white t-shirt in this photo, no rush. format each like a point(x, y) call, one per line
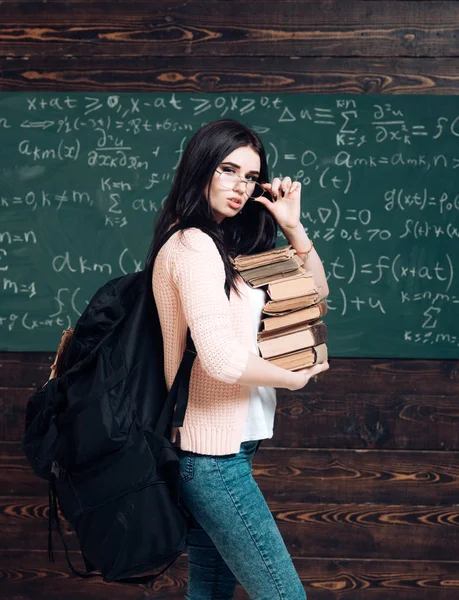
point(262, 400)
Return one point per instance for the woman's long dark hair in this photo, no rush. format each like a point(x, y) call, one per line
point(252, 230)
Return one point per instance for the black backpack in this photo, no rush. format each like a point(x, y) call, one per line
point(99, 433)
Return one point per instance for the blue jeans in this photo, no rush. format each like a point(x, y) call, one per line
point(233, 536)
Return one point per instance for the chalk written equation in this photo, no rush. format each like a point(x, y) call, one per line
point(83, 177)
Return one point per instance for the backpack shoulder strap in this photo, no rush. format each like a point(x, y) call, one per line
point(174, 409)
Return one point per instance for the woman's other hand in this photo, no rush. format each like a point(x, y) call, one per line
point(301, 378)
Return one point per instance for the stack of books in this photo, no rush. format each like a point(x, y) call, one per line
point(292, 335)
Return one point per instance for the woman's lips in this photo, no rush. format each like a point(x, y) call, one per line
point(234, 203)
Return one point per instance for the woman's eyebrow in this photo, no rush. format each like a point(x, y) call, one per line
point(234, 165)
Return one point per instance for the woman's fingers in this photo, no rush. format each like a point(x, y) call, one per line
point(280, 188)
point(296, 187)
point(286, 184)
point(275, 188)
point(268, 188)
point(316, 369)
point(305, 375)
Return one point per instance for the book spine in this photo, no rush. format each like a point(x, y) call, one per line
point(315, 335)
point(259, 272)
point(321, 353)
point(311, 314)
point(323, 307)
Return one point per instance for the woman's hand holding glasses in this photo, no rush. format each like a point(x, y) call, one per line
point(285, 203)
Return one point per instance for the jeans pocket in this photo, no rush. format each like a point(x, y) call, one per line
point(250, 448)
point(186, 467)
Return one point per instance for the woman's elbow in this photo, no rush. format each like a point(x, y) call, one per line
point(226, 367)
point(218, 372)
point(323, 292)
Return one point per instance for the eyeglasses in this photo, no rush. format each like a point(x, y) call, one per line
point(229, 180)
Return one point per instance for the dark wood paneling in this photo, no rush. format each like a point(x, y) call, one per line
point(15, 473)
point(349, 376)
point(387, 420)
point(362, 403)
point(317, 476)
point(370, 531)
point(12, 413)
point(310, 419)
point(24, 369)
point(29, 576)
point(332, 28)
point(356, 476)
point(391, 75)
point(309, 530)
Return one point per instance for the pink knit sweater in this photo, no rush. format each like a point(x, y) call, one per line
point(188, 285)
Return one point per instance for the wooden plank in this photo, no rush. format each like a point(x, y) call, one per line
point(309, 475)
point(28, 576)
point(309, 419)
point(350, 376)
point(15, 473)
point(24, 369)
point(369, 531)
point(13, 403)
point(221, 75)
point(385, 420)
point(357, 476)
point(362, 403)
point(300, 28)
point(373, 531)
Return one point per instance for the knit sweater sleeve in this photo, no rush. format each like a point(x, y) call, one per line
point(199, 275)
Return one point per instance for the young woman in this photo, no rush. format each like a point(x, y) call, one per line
point(213, 212)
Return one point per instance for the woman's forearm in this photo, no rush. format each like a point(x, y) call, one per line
point(299, 240)
point(261, 372)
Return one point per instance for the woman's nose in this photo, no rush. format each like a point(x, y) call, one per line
point(240, 187)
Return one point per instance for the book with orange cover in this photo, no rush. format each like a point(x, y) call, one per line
point(301, 359)
point(292, 317)
point(290, 339)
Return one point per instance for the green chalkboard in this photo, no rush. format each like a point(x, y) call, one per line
point(83, 175)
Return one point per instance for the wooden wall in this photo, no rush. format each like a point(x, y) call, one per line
point(363, 472)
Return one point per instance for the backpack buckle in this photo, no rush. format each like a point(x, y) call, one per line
point(58, 471)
